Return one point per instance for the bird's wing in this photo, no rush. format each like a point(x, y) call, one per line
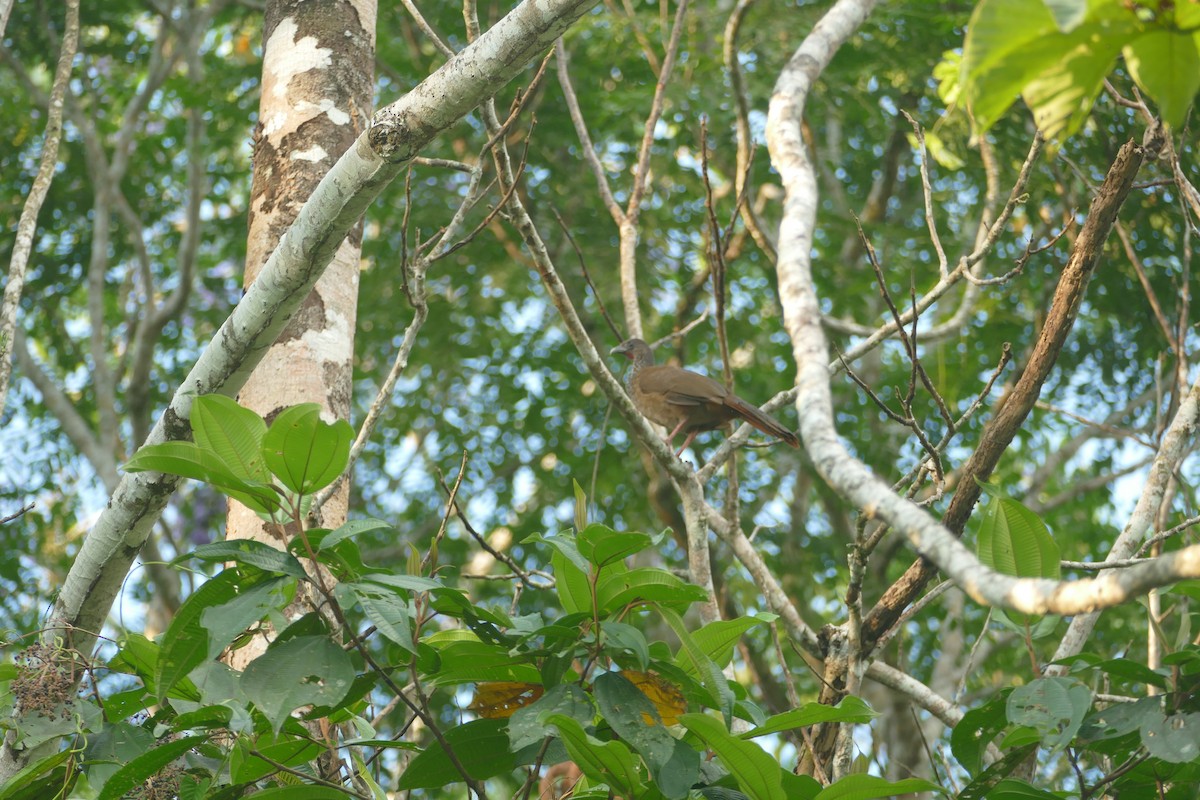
point(681, 387)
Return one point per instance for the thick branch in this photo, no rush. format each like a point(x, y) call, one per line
point(999, 432)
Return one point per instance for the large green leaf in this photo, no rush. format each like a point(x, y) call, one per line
point(571, 584)
point(185, 643)
point(1166, 65)
point(233, 433)
point(307, 670)
point(618, 589)
point(149, 763)
point(1017, 47)
point(601, 545)
point(717, 640)
point(977, 729)
point(304, 452)
point(189, 460)
point(869, 787)
point(1054, 707)
point(255, 758)
point(481, 747)
point(353, 528)
point(1013, 540)
point(604, 762)
point(529, 725)
point(758, 774)
point(386, 609)
point(709, 674)
point(251, 552)
point(850, 709)
point(673, 765)
point(1174, 738)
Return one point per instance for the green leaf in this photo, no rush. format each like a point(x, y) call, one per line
point(1067, 13)
point(644, 585)
point(709, 674)
point(1166, 66)
point(571, 584)
point(411, 583)
point(308, 670)
point(529, 725)
point(1013, 789)
point(302, 791)
point(481, 747)
point(758, 774)
point(228, 621)
point(581, 509)
point(980, 788)
point(1119, 719)
point(1014, 541)
point(673, 765)
point(353, 528)
point(185, 644)
point(32, 773)
point(304, 452)
point(139, 769)
point(386, 610)
point(850, 709)
point(1175, 738)
point(472, 661)
point(565, 544)
point(1054, 707)
point(621, 637)
point(245, 766)
point(1016, 47)
point(249, 551)
point(233, 433)
point(189, 460)
point(609, 763)
point(717, 640)
point(867, 787)
point(976, 730)
point(601, 545)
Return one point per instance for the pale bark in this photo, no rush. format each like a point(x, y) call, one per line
point(375, 159)
point(318, 63)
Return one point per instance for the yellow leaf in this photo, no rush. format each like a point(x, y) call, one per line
point(499, 699)
point(666, 696)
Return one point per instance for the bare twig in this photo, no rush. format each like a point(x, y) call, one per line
point(612, 326)
point(25, 509)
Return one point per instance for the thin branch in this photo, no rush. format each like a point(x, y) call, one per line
point(27, 224)
point(581, 130)
point(23, 510)
point(927, 193)
point(612, 326)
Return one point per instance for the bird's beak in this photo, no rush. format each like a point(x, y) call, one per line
point(619, 350)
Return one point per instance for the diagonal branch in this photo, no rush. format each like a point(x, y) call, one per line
point(366, 169)
point(1011, 414)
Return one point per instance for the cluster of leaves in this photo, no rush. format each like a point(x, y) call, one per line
point(1155, 739)
point(639, 717)
point(1057, 55)
point(636, 715)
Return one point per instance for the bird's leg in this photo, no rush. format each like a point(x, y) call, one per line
point(671, 436)
point(686, 442)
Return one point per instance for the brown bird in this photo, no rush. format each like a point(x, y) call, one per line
point(682, 400)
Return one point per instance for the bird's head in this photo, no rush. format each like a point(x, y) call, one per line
point(631, 349)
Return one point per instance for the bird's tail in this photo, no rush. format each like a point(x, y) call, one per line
point(761, 421)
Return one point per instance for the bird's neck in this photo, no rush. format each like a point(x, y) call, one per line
point(636, 366)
